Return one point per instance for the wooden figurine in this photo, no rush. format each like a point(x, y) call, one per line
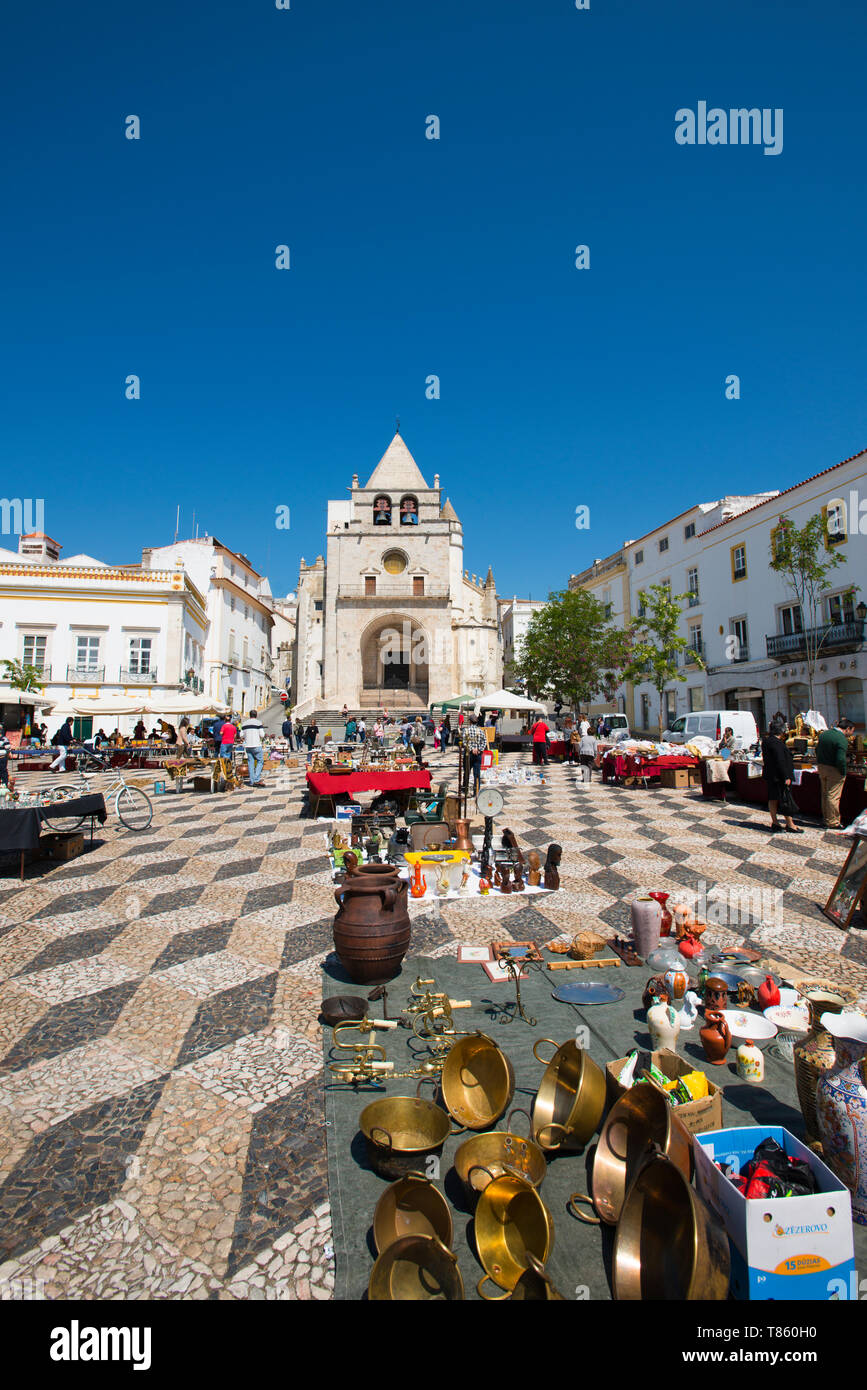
point(517, 879)
point(552, 866)
point(535, 868)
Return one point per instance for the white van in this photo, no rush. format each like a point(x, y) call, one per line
point(712, 723)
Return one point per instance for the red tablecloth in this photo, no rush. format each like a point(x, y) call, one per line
point(556, 748)
point(617, 765)
point(326, 784)
point(807, 796)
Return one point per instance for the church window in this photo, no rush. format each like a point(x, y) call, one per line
point(409, 511)
point(369, 585)
point(382, 511)
point(394, 562)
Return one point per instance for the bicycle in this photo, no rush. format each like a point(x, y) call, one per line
point(133, 806)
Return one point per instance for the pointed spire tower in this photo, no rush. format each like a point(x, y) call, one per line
point(397, 470)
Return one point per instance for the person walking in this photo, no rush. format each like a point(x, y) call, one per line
point(831, 751)
point(5, 750)
point(61, 741)
point(445, 736)
point(474, 742)
point(228, 736)
point(311, 734)
point(583, 725)
point(299, 734)
point(253, 730)
point(539, 735)
point(351, 730)
point(418, 738)
point(287, 729)
point(587, 750)
point(362, 730)
point(779, 773)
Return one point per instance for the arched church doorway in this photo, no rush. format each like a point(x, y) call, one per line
point(395, 663)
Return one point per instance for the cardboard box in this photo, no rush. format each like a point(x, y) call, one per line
point(787, 1247)
point(63, 846)
point(674, 778)
point(698, 1116)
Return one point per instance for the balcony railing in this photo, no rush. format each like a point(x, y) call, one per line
point(85, 675)
point(613, 562)
point(742, 653)
point(694, 599)
point(403, 592)
point(43, 672)
point(128, 677)
point(827, 638)
point(692, 653)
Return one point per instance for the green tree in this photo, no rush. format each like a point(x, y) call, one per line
point(571, 650)
point(22, 677)
point(806, 558)
point(656, 642)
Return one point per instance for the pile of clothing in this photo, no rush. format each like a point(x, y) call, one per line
point(772, 1173)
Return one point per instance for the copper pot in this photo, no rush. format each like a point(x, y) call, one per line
point(511, 1224)
point(401, 1132)
point(413, 1269)
point(412, 1206)
point(463, 841)
point(477, 1082)
point(668, 1244)
point(642, 1122)
point(570, 1100)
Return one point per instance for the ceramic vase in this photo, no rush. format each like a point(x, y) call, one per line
point(768, 994)
point(715, 1038)
point(664, 1025)
point(814, 1055)
point(751, 1063)
point(676, 982)
point(841, 1108)
point(716, 994)
point(646, 917)
point(667, 919)
point(371, 928)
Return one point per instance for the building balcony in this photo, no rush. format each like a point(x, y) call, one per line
point(402, 593)
point(830, 637)
point(43, 672)
point(692, 653)
point(743, 653)
point(85, 675)
point(694, 599)
point(128, 677)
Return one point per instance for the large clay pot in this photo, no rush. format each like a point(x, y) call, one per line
point(814, 1055)
point(371, 927)
point(841, 1108)
point(715, 1038)
point(646, 917)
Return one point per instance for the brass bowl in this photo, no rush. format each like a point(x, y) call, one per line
point(570, 1100)
point(477, 1082)
point(512, 1224)
point(485, 1157)
point(641, 1122)
point(401, 1132)
point(412, 1206)
point(668, 1244)
point(416, 1269)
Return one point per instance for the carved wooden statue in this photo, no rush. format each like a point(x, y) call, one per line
point(535, 869)
point(552, 866)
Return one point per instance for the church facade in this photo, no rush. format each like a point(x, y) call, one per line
point(389, 617)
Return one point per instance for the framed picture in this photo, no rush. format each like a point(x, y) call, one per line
point(517, 950)
point(849, 889)
point(474, 955)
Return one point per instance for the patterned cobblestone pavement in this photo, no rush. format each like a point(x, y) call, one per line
point(161, 1119)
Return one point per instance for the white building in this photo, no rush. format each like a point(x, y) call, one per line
point(95, 629)
point(515, 616)
point(236, 663)
point(389, 616)
point(740, 616)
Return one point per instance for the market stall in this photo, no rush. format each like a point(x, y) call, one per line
point(328, 786)
point(643, 767)
point(746, 783)
point(20, 828)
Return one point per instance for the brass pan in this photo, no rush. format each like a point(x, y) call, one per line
point(412, 1206)
point(401, 1132)
point(477, 1082)
point(536, 1284)
point(414, 1269)
point(641, 1122)
point(487, 1156)
point(570, 1099)
point(668, 1243)
point(512, 1223)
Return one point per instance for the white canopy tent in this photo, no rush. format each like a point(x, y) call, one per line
point(32, 698)
point(507, 700)
point(103, 706)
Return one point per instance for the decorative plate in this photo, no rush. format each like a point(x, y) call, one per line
point(589, 994)
point(749, 1025)
point(784, 1016)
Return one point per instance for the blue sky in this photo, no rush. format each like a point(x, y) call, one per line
point(412, 257)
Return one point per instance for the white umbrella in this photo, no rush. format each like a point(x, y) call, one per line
point(25, 697)
point(506, 700)
point(179, 703)
point(97, 706)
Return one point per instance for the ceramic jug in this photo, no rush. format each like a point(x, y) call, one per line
point(715, 1038)
point(841, 1107)
point(751, 1063)
point(418, 883)
point(371, 927)
point(814, 1055)
point(646, 918)
point(664, 1025)
point(716, 993)
point(676, 982)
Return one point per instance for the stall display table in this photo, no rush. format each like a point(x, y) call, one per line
point(618, 766)
point(20, 829)
point(324, 785)
point(807, 794)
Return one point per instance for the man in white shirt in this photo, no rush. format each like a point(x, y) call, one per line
point(253, 730)
point(584, 726)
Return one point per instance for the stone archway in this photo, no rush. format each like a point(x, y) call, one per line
point(394, 663)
